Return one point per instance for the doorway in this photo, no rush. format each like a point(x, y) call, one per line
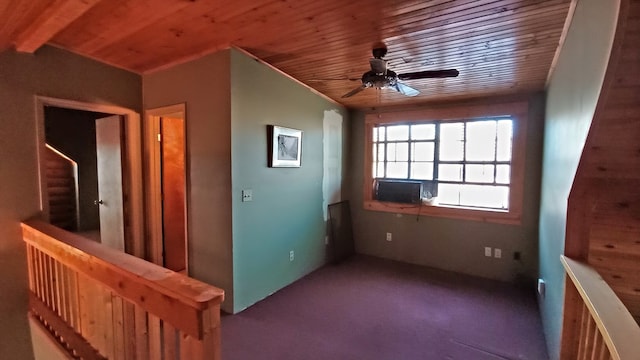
point(95, 147)
point(167, 192)
point(75, 200)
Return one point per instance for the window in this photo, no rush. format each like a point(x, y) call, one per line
point(469, 160)
point(463, 163)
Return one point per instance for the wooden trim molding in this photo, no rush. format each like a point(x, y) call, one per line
point(153, 196)
point(132, 171)
point(517, 110)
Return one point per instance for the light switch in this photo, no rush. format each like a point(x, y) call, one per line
point(247, 195)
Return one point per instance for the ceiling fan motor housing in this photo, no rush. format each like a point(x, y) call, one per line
point(380, 81)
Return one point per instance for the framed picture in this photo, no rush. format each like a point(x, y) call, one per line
point(285, 146)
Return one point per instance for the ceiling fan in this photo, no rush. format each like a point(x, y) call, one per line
point(381, 77)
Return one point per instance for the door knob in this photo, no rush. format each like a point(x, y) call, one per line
point(98, 202)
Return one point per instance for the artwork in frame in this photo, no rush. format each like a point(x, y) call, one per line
point(285, 146)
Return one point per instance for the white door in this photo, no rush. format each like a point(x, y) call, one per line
point(110, 202)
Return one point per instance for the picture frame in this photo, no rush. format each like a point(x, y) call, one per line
point(285, 146)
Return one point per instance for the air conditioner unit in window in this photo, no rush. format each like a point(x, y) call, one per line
point(399, 191)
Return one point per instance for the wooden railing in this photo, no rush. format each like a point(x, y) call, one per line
point(100, 303)
point(597, 325)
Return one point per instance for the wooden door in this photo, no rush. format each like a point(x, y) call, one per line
point(173, 192)
point(110, 202)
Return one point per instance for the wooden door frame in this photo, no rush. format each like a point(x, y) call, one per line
point(153, 178)
point(131, 173)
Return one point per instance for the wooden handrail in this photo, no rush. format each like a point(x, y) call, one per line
point(170, 296)
point(618, 329)
point(91, 297)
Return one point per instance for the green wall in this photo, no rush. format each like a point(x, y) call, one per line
point(286, 212)
point(243, 247)
point(49, 72)
point(571, 100)
point(204, 85)
point(455, 244)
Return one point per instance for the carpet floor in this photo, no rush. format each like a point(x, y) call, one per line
point(370, 308)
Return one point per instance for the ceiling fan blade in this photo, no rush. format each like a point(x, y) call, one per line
point(405, 89)
point(378, 66)
point(429, 74)
point(354, 91)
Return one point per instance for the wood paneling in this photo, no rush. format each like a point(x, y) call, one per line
point(61, 188)
point(499, 46)
point(51, 21)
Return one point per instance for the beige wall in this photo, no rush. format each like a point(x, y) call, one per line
point(204, 85)
point(55, 73)
point(454, 244)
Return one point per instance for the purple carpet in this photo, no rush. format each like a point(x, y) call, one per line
point(370, 308)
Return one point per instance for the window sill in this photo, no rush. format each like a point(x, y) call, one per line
point(497, 216)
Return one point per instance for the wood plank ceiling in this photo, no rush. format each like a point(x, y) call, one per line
point(499, 46)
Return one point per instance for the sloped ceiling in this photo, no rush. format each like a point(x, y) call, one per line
point(498, 46)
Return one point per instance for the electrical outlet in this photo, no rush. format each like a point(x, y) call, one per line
point(247, 195)
point(487, 251)
point(497, 253)
point(291, 255)
point(326, 240)
point(388, 236)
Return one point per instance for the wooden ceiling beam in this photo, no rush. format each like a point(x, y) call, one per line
point(51, 21)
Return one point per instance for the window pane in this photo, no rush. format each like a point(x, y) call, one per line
point(379, 170)
point(397, 132)
point(496, 197)
point(397, 151)
point(450, 172)
point(505, 140)
point(422, 151)
point(503, 174)
point(481, 141)
point(381, 152)
point(449, 194)
point(375, 153)
point(479, 173)
point(423, 132)
point(397, 170)
point(375, 134)
point(422, 170)
point(451, 141)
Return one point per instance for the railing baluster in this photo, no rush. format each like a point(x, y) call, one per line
point(30, 267)
point(155, 337)
point(606, 330)
point(100, 303)
point(142, 333)
point(583, 328)
point(129, 329)
point(169, 341)
point(118, 327)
